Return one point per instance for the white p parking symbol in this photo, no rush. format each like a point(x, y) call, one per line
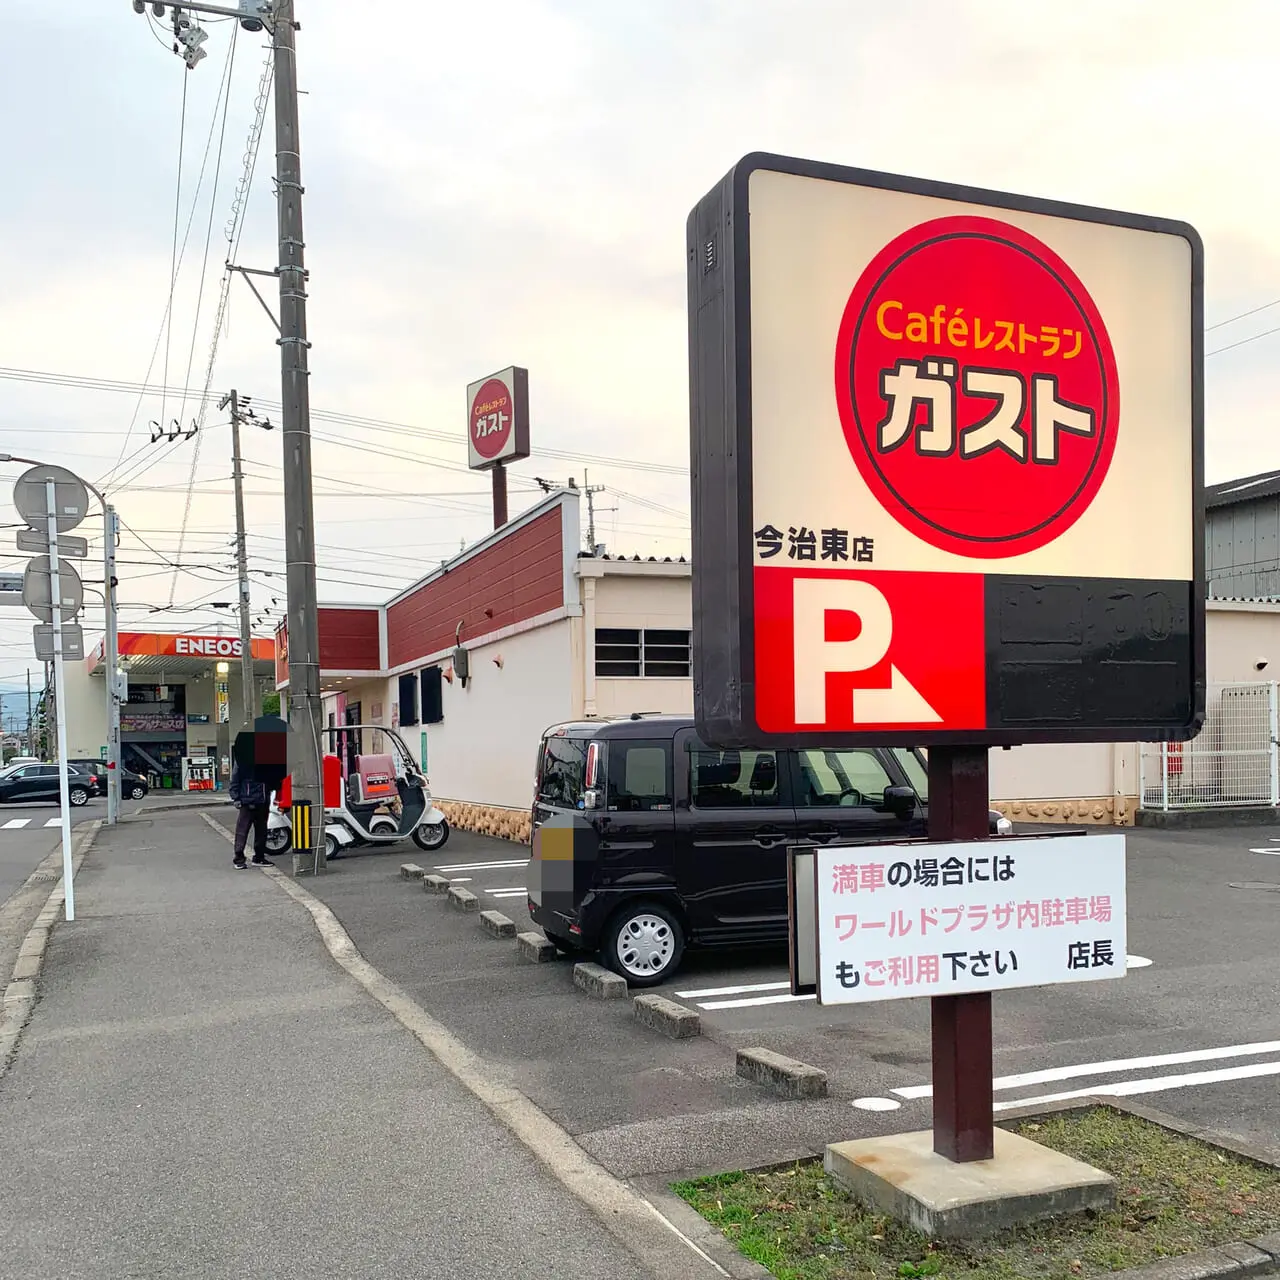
point(816, 657)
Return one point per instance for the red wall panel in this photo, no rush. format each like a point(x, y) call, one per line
point(348, 639)
point(518, 578)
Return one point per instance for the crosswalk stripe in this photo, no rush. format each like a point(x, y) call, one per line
point(54, 822)
point(15, 822)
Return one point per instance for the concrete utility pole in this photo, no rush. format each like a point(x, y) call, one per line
point(31, 724)
point(110, 534)
point(299, 517)
point(295, 422)
point(248, 695)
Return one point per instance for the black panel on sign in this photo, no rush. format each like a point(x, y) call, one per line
point(1089, 651)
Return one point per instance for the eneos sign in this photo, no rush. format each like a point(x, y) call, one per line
point(947, 464)
point(498, 419)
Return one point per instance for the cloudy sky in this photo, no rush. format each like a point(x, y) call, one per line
point(508, 183)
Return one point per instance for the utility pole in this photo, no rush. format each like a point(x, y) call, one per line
point(295, 422)
point(31, 724)
point(299, 516)
point(591, 490)
point(248, 694)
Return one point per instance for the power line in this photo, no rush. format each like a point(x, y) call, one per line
point(1217, 351)
point(1275, 302)
point(173, 256)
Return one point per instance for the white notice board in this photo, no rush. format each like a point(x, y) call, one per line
point(901, 920)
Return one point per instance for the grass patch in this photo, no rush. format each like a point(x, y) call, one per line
point(1174, 1195)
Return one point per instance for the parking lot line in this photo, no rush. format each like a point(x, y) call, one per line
point(734, 991)
point(1156, 1084)
point(1077, 1070)
point(506, 893)
point(483, 866)
point(15, 822)
point(753, 1001)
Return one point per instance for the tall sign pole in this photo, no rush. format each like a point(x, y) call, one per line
point(295, 421)
point(112, 659)
point(60, 699)
point(498, 429)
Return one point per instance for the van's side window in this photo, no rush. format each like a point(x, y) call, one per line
point(840, 778)
point(639, 776)
point(734, 779)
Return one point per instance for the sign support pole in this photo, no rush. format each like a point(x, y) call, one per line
point(963, 1119)
point(60, 701)
point(499, 495)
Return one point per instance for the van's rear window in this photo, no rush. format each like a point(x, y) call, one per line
point(563, 774)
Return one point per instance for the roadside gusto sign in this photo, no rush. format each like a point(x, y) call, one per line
point(498, 419)
point(947, 464)
point(895, 921)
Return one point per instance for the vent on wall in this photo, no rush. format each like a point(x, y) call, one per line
point(709, 256)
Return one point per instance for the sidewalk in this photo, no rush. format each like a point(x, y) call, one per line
point(202, 1092)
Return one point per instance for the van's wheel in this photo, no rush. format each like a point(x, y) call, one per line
point(431, 836)
point(644, 943)
point(279, 839)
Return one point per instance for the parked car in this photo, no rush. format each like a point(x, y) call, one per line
point(40, 782)
point(133, 786)
point(682, 844)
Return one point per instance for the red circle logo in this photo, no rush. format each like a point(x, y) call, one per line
point(491, 417)
point(977, 387)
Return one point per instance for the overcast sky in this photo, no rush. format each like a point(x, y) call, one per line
point(508, 183)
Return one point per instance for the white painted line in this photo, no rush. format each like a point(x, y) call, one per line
point(506, 893)
point(481, 867)
point(1156, 1085)
point(54, 822)
point(1137, 962)
point(14, 823)
point(1275, 851)
point(459, 879)
point(757, 1000)
point(735, 991)
point(876, 1104)
point(1116, 1064)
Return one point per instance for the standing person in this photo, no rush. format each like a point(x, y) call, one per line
point(251, 799)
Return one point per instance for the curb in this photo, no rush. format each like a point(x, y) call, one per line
point(463, 899)
point(783, 1075)
point(666, 1017)
point(496, 923)
point(435, 884)
point(195, 806)
point(598, 982)
point(21, 993)
point(534, 948)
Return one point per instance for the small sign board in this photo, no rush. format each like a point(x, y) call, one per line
point(895, 921)
point(37, 542)
point(947, 462)
point(72, 641)
point(10, 588)
point(498, 419)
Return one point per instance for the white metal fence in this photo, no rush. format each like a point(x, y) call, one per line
point(1232, 762)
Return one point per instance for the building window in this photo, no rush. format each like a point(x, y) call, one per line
point(630, 652)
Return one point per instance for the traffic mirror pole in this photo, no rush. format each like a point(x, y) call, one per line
point(60, 700)
point(963, 1114)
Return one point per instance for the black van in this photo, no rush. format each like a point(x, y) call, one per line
point(645, 839)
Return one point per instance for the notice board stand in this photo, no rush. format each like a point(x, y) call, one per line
point(963, 1118)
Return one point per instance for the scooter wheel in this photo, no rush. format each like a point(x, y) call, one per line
point(332, 849)
point(431, 837)
point(279, 839)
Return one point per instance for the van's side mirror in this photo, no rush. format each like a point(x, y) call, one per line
point(900, 801)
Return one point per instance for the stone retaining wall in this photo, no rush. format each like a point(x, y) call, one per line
point(489, 820)
point(1102, 811)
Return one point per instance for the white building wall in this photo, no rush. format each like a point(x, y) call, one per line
point(482, 752)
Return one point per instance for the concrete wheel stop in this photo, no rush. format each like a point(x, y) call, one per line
point(903, 1176)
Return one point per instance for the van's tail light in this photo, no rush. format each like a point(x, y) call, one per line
point(591, 790)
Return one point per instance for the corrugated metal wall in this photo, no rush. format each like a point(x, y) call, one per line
point(1242, 556)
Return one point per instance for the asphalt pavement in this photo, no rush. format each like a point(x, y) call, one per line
point(201, 1091)
point(1193, 1027)
point(28, 832)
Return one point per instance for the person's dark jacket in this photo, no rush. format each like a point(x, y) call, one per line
point(247, 790)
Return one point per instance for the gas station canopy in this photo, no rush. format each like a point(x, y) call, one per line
point(153, 654)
